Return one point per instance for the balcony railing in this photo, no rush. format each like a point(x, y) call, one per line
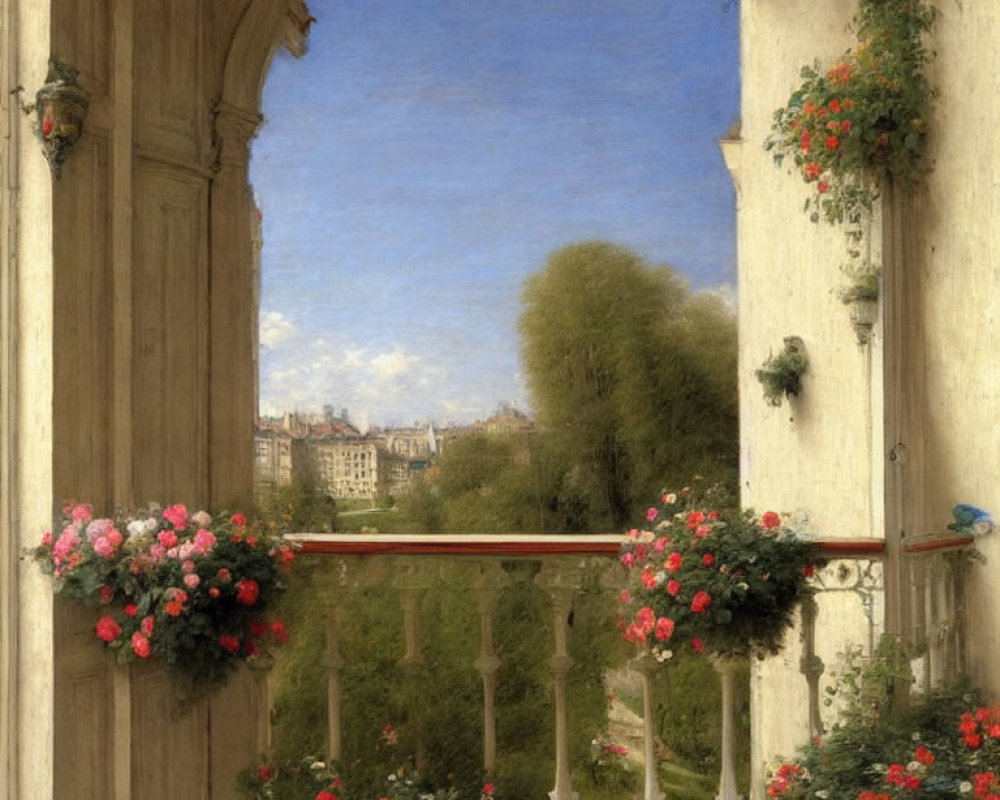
point(471, 585)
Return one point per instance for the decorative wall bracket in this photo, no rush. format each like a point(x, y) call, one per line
point(60, 108)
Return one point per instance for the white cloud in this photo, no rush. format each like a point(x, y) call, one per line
point(275, 328)
point(388, 366)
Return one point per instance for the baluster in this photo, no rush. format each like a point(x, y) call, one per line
point(561, 587)
point(727, 773)
point(487, 589)
point(333, 663)
point(921, 619)
point(810, 664)
point(647, 666)
point(261, 671)
point(413, 582)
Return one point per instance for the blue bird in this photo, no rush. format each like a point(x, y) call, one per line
point(971, 520)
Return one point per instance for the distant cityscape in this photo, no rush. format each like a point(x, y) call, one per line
point(349, 464)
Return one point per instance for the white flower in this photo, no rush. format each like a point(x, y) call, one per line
point(743, 586)
point(136, 528)
point(152, 525)
point(913, 766)
point(670, 499)
point(916, 736)
point(965, 787)
point(823, 794)
point(317, 765)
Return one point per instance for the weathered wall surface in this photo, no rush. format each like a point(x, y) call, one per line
point(126, 295)
point(956, 259)
point(930, 380)
point(820, 453)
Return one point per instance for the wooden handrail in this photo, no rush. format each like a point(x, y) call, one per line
point(513, 544)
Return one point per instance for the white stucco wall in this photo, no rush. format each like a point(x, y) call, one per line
point(823, 454)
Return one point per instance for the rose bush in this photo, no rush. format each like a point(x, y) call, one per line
point(183, 587)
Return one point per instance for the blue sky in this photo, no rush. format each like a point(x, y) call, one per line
point(425, 156)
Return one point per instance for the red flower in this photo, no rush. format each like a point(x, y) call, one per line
point(325, 795)
point(805, 141)
point(279, 632)
point(701, 601)
point(770, 520)
point(845, 126)
point(924, 756)
point(488, 790)
point(140, 645)
point(264, 773)
point(239, 520)
point(131, 609)
point(664, 628)
point(822, 187)
point(832, 142)
point(107, 595)
point(673, 587)
point(834, 106)
point(107, 629)
point(48, 123)
point(812, 170)
point(973, 740)
point(697, 644)
point(147, 625)
point(695, 518)
point(229, 643)
point(257, 628)
point(673, 562)
point(174, 608)
point(708, 559)
point(247, 591)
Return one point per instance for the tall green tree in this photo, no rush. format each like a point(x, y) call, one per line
point(633, 376)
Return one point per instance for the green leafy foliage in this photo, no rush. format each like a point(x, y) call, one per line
point(631, 377)
point(942, 745)
point(781, 375)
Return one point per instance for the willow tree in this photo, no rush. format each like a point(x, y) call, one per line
point(633, 376)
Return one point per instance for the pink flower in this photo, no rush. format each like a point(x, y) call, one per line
point(191, 580)
point(115, 537)
point(204, 541)
point(648, 579)
point(147, 624)
point(660, 544)
point(213, 592)
point(239, 520)
point(673, 587)
point(47, 537)
point(65, 544)
point(157, 552)
point(103, 547)
point(701, 601)
point(651, 514)
point(224, 575)
point(82, 512)
point(488, 790)
point(625, 597)
point(188, 566)
point(664, 628)
point(177, 516)
point(167, 539)
point(99, 527)
point(628, 560)
point(140, 645)
point(107, 629)
point(107, 595)
point(702, 530)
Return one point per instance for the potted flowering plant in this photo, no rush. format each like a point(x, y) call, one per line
point(781, 375)
point(186, 588)
point(865, 117)
point(945, 745)
point(726, 583)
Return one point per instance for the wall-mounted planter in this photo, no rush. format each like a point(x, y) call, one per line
point(781, 375)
